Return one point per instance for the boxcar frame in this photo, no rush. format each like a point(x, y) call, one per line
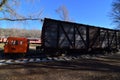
point(68, 37)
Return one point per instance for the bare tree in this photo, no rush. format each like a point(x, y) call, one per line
point(115, 14)
point(63, 13)
point(9, 12)
point(2, 3)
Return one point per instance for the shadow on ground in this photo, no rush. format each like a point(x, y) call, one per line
point(105, 64)
point(83, 65)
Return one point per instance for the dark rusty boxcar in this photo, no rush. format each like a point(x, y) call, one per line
point(61, 37)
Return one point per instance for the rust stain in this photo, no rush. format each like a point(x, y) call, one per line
point(16, 45)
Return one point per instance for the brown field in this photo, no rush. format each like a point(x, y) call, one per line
point(105, 68)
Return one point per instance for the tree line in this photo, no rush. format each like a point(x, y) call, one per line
point(20, 33)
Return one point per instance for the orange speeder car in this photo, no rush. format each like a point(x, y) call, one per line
point(15, 45)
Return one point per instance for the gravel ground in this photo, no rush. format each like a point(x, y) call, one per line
point(103, 68)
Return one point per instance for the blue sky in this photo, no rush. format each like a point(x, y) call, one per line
point(92, 12)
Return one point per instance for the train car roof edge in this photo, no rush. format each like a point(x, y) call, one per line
point(79, 24)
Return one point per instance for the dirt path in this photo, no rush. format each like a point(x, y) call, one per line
point(104, 68)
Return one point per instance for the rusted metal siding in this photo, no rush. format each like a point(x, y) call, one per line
point(15, 45)
point(60, 35)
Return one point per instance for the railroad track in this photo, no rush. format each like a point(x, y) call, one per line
point(34, 60)
point(45, 59)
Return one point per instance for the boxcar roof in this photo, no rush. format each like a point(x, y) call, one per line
point(73, 23)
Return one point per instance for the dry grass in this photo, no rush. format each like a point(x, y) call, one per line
point(55, 74)
point(2, 45)
point(107, 68)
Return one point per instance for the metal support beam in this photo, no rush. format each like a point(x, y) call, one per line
point(66, 35)
point(108, 38)
point(81, 36)
point(58, 34)
point(87, 37)
point(103, 39)
point(112, 38)
point(97, 34)
point(116, 41)
point(43, 34)
point(74, 37)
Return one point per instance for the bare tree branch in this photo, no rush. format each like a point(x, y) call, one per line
point(63, 13)
point(9, 10)
point(24, 19)
point(115, 14)
point(2, 3)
